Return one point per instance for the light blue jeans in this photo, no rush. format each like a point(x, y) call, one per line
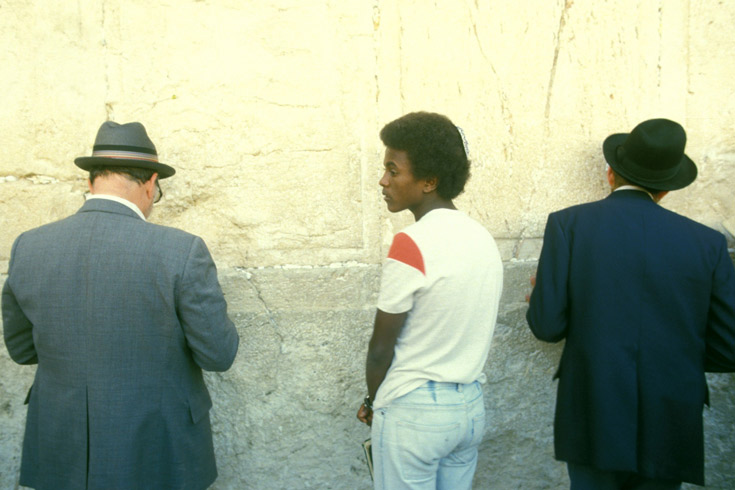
point(428, 438)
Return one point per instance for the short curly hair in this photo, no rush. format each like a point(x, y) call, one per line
point(434, 147)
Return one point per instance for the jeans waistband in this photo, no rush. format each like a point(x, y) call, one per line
point(443, 385)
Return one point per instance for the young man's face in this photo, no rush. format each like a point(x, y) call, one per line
point(401, 190)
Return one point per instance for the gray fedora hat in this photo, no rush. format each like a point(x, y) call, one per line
point(124, 145)
point(652, 155)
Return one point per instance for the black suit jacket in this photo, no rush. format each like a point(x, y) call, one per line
point(645, 299)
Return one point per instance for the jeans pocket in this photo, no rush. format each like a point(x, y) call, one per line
point(422, 446)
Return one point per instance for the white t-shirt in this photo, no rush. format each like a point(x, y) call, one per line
point(446, 271)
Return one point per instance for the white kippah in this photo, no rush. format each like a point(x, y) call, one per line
point(464, 142)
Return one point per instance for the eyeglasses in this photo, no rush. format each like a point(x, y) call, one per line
point(159, 193)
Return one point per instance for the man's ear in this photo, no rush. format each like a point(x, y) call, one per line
point(659, 195)
point(610, 177)
point(150, 185)
point(430, 184)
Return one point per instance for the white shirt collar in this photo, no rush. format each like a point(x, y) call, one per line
point(634, 188)
point(122, 201)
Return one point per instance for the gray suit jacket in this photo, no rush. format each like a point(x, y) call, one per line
point(121, 316)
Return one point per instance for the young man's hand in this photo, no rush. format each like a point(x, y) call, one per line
point(533, 284)
point(365, 415)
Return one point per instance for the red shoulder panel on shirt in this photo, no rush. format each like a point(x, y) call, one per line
point(405, 250)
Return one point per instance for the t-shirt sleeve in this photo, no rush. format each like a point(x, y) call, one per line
point(403, 274)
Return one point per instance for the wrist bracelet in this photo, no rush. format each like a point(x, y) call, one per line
point(368, 404)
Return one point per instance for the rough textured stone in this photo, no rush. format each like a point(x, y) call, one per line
point(270, 111)
point(32, 201)
point(284, 415)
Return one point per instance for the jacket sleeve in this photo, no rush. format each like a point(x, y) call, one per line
point(547, 312)
point(720, 335)
point(202, 310)
point(17, 328)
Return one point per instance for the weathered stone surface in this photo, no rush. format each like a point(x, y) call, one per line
point(284, 415)
point(270, 111)
point(32, 201)
point(517, 451)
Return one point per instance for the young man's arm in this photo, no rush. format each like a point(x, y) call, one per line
point(380, 355)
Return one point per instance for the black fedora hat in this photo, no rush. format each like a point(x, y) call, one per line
point(652, 155)
point(124, 145)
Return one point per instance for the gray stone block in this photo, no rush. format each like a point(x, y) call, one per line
point(284, 414)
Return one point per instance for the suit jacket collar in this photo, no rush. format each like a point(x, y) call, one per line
point(107, 206)
point(630, 194)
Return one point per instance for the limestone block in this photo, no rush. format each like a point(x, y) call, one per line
point(272, 120)
point(286, 409)
point(520, 397)
point(719, 421)
point(304, 354)
point(32, 201)
point(536, 126)
point(270, 111)
point(53, 86)
point(270, 158)
point(507, 248)
point(515, 250)
point(712, 142)
point(529, 249)
point(262, 113)
point(284, 414)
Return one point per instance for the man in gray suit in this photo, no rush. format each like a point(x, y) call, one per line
point(121, 317)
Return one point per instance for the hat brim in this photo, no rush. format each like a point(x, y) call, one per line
point(86, 163)
point(686, 174)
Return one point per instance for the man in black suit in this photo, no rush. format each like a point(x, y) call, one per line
point(645, 299)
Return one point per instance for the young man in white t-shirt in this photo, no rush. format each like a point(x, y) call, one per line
point(437, 307)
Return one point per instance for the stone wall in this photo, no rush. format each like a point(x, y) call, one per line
point(270, 111)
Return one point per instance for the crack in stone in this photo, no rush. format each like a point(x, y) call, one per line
point(659, 67)
point(269, 313)
point(562, 22)
point(502, 96)
point(109, 109)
